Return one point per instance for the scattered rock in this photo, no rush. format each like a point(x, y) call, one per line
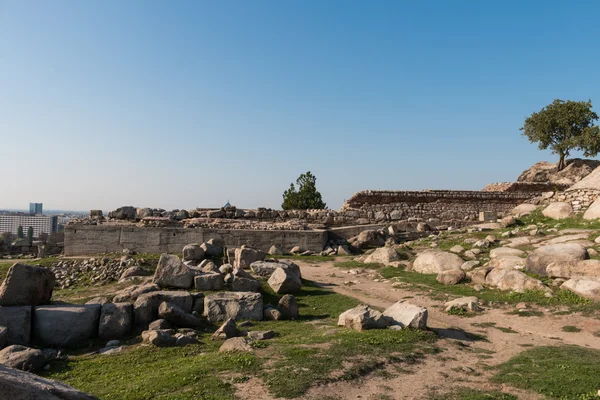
point(261, 335)
point(236, 344)
point(145, 309)
point(451, 276)
point(193, 252)
point(160, 324)
point(558, 210)
point(506, 251)
point(288, 307)
point(538, 260)
point(284, 281)
point(435, 261)
point(209, 281)
point(116, 320)
point(470, 303)
point(270, 313)
point(235, 305)
point(17, 320)
point(177, 316)
point(523, 209)
point(583, 287)
point(23, 358)
point(362, 317)
point(513, 280)
point(159, 338)
point(246, 256)
point(226, 331)
point(469, 265)
point(457, 249)
point(26, 285)
point(407, 315)
point(172, 273)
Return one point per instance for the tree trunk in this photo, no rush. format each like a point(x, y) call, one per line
point(562, 162)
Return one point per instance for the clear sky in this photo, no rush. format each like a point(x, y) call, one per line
point(178, 104)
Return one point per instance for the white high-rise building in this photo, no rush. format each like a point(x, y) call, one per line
point(39, 223)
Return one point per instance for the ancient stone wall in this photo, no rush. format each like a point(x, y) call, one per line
point(524, 187)
point(580, 199)
point(95, 239)
point(444, 205)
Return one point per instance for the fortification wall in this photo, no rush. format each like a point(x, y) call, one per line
point(580, 199)
point(94, 239)
point(445, 205)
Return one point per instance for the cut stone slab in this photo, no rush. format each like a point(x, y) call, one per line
point(362, 317)
point(244, 257)
point(21, 385)
point(193, 252)
point(177, 316)
point(172, 273)
point(435, 261)
point(209, 281)
point(538, 260)
point(17, 321)
point(27, 285)
point(66, 326)
point(265, 269)
point(145, 309)
point(235, 305)
point(407, 315)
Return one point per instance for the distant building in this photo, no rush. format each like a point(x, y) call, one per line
point(35, 208)
point(39, 223)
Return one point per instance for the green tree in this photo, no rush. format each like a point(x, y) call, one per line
point(305, 197)
point(20, 233)
point(30, 234)
point(564, 126)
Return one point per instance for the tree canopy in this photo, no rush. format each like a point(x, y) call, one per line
point(305, 197)
point(564, 126)
point(30, 233)
point(20, 233)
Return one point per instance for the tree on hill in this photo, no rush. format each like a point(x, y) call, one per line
point(20, 234)
point(305, 197)
point(30, 234)
point(564, 126)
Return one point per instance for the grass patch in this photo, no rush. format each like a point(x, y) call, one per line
point(310, 259)
point(505, 330)
point(472, 394)
point(559, 372)
point(356, 264)
point(570, 328)
point(527, 313)
point(4, 266)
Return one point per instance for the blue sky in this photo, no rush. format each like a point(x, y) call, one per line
point(190, 103)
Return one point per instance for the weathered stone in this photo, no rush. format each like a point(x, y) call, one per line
point(593, 211)
point(209, 281)
point(261, 335)
point(159, 338)
point(193, 252)
point(469, 265)
point(450, 276)
point(3, 336)
point(383, 255)
point(507, 262)
point(275, 250)
point(457, 249)
point(116, 320)
point(470, 303)
point(209, 266)
point(558, 210)
point(66, 326)
point(523, 209)
point(362, 317)
point(226, 269)
point(284, 281)
point(435, 261)
point(288, 307)
point(241, 281)
point(513, 280)
point(177, 316)
point(266, 268)
point(17, 321)
point(343, 250)
point(23, 358)
point(478, 275)
point(226, 331)
point(407, 315)
point(212, 250)
point(583, 287)
point(586, 269)
point(160, 324)
point(246, 256)
point(367, 238)
point(506, 251)
point(20, 385)
point(508, 221)
point(236, 344)
point(131, 293)
point(538, 260)
point(235, 305)
point(26, 285)
point(270, 313)
point(172, 273)
point(145, 309)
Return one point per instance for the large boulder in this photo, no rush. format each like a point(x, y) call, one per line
point(241, 281)
point(17, 321)
point(586, 269)
point(478, 275)
point(212, 250)
point(126, 212)
point(538, 260)
point(177, 316)
point(172, 273)
point(407, 315)
point(145, 309)
point(284, 281)
point(20, 385)
point(193, 252)
point(583, 287)
point(245, 256)
point(66, 326)
point(558, 210)
point(116, 320)
point(523, 209)
point(235, 305)
point(265, 269)
point(593, 211)
point(23, 358)
point(27, 285)
point(436, 261)
point(134, 271)
point(506, 251)
point(362, 317)
point(367, 238)
point(159, 337)
point(513, 280)
point(383, 255)
point(451, 276)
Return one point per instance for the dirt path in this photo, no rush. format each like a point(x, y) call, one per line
point(462, 363)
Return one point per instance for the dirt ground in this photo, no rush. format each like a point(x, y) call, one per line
point(463, 362)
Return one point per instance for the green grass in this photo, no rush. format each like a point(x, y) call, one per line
point(527, 313)
point(356, 264)
point(575, 221)
point(4, 266)
point(561, 372)
point(472, 394)
point(570, 328)
point(311, 259)
point(311, 349)
point(505, 330)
